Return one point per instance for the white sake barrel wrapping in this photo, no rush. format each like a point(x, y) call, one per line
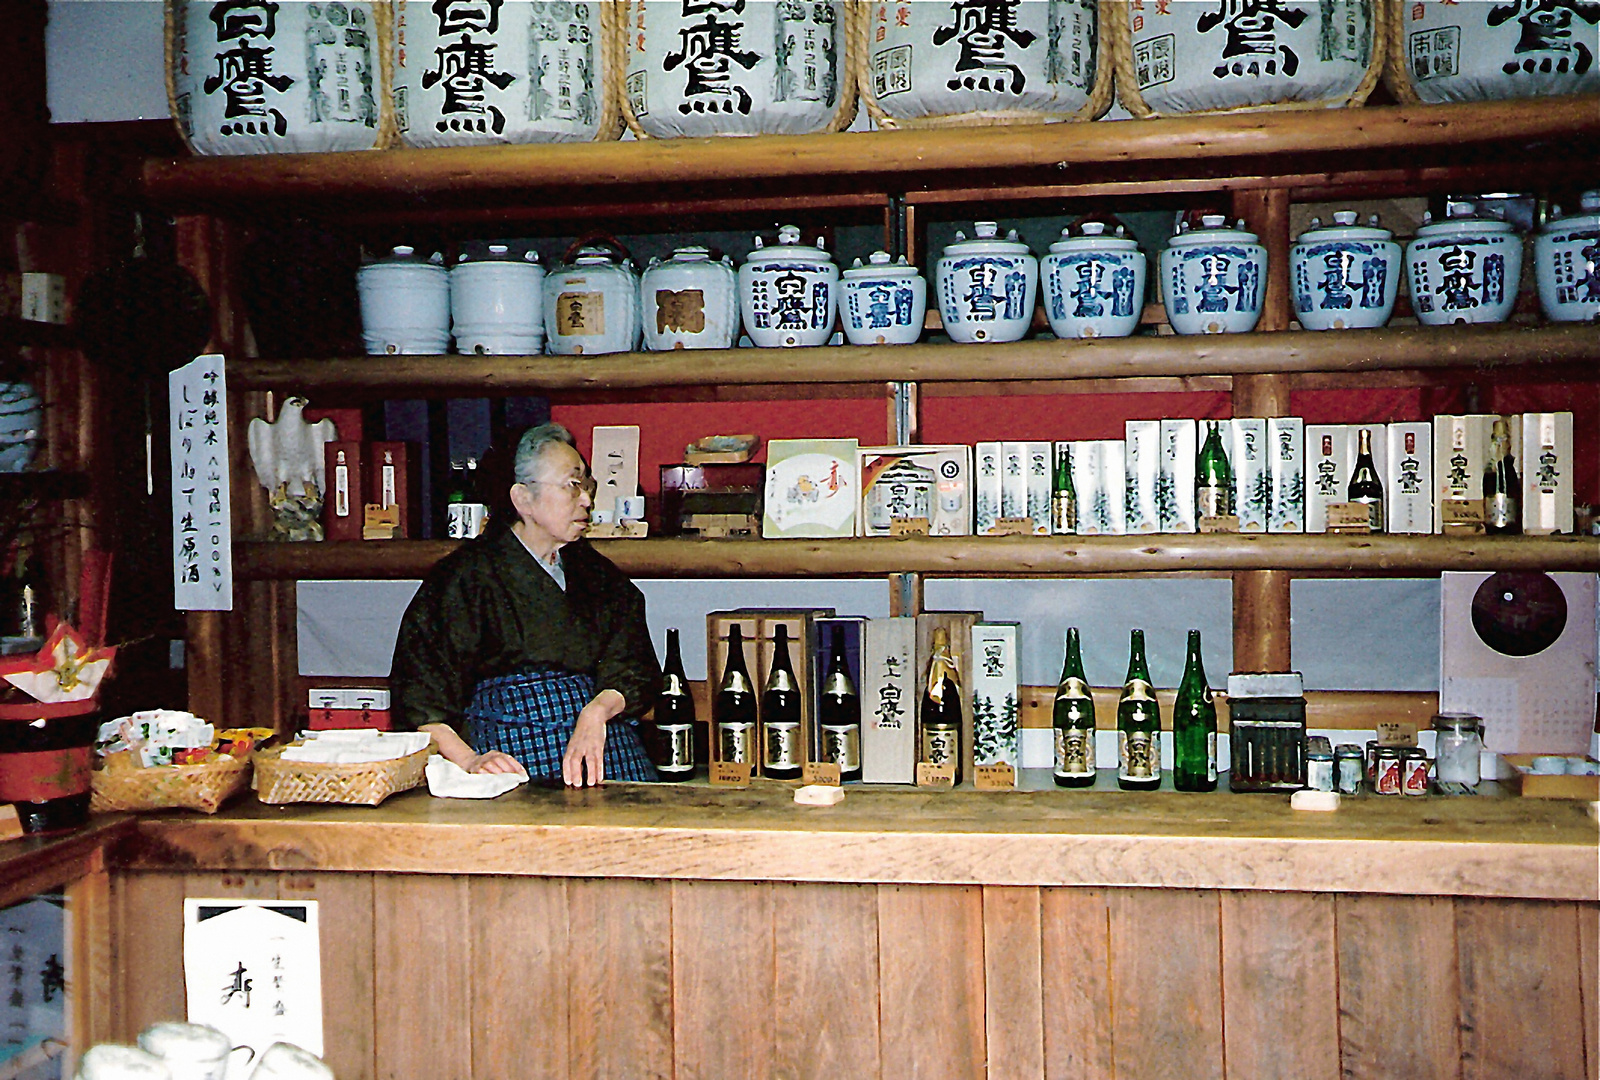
point(1199, 56)
point(1486, 50)
point(518, 71)
point(279, 78)
point(931, 62)
point(736, 67)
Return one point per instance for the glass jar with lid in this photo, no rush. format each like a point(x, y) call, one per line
point(1457, 746)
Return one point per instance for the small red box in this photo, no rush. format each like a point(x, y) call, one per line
point(341, 502)
point(339, 719)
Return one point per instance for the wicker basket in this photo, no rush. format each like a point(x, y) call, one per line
point(366, 784)
point(203, 787)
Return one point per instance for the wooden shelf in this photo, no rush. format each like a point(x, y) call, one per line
point(985, 556)
point(1182, 147)
point(1409, 348)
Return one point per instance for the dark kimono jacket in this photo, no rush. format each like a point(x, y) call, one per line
point(489, 609)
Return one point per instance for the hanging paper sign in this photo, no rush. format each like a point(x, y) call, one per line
point(33, 1003)
point(202, 533)
point(253, 969)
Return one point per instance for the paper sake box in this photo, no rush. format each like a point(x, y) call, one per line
point(1328, 461)
point(1143, 467)
point(1252, 473)
point(1408, 480)
point(915, 489)
point(813, 488)
point(996, 708)
point(1175, 485)
point(987, 473)
point(1547, 473)
point(1460, 455)
point(1286, 445)
point(888, 690)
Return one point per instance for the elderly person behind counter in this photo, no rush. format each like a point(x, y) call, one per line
point(529, 642)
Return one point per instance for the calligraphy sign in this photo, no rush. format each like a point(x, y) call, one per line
point(202, 532)
point(253, 970)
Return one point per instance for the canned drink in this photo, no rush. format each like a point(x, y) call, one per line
point(1414, 771)
point(1372, 762)
point(1319, 771)
point(1349, 766)
point(1387, 777)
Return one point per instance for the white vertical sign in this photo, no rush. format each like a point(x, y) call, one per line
point(253, 969)
point(202, 533)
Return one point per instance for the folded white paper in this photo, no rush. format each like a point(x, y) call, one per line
point(356, 746)
point(447, 780)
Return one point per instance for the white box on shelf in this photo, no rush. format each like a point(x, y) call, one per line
point(1142, 505)
point(1408, 482)
point(932, 483)
point(1087, 455)
point(1175, 496)
point(1252, 473)
point(996, 706)
point(813, 488)
point(889, 701)
point(1546, 473)
point(1014, 480)
point(1327, 472)
point(987, 469)
point(1037, 464)
point(1460, 455)
point(1114, 486)
point(1286, 439)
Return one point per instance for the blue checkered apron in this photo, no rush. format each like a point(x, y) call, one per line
point(530, 715)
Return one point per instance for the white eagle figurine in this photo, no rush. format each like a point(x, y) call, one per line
point(288, 458)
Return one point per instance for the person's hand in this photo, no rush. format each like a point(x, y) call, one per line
point(494, 761)
point(584, 761)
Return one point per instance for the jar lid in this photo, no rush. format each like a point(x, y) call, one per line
point(986, 241)
point(691, 253)
point(1462, 219)
point(1389, 751)
point(1413, 752)
point(880, 266)
point(1457, 722)
point(1344, 227)
point(1588, 213)
point(1349, 750)
point(1319, 755)
point(1213, 230)
point(788, 247)
point(498, 253)
point(406, 255)
point(1093, 237)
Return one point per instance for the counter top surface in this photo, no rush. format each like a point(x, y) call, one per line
point(1474, 846)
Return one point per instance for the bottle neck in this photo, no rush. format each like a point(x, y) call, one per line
point(782, 675)
point(1194, 669)
point(1137, 668)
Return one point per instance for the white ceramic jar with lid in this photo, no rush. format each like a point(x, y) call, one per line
point(788, 293)
point(497, 303)
point(1566, 258)
point(1345, 276)
point(591, 302)
point(1464, 269)
point(1214, 278)
point(987, 286)
point(883, 302)
point(1093, 283)
point(405, 304)
point(689, 301)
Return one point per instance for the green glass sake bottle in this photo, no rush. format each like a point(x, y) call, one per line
point(1074, 720)
point(1213, 477)
point(673, 719)
point(780, 714)
point(1194, 726)
point(1138, 725)
point(734, 710)
point(839, 714)
point(1063, 496)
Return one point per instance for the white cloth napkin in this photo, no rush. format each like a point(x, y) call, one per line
point(447, 780)
point(357, 746)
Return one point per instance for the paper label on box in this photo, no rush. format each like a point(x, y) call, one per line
point(994, 777)
point(730, 774)
point(930, 775)
point(1396, 733)
point(1008, 526)
point(825, 773)
point(1457, 514)
point(1349, 517)
point(1222, 523)
point(908, 527)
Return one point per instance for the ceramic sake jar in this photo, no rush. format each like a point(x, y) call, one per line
point(21, 425)
point(1345, 276)
point(987, 286)
point(736, 67)
point(276, 78)
point(591, 303)
point(1444, 50)
point(1213, 279)
point(511, 71)
point(1198, 56)
point(938, 63)
point(788, 293)
point(883, 302)
point(497, 303)
point(1093, 283)
point(689, 301)
point(1566, 258)
point(405, 304)
point(1464, 269)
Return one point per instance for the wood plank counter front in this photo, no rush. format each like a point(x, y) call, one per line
point(654, 931)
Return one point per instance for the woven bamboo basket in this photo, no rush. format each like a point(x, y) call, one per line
point(366, 784)
point(203, 787)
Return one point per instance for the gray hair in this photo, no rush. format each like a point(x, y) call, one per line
point(532, 446)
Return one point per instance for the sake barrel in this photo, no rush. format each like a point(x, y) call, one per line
point(923, 63)
point(1488, 50)
point(736, 67)
point(517, 71)
point(278, 78)
point(1200, 56)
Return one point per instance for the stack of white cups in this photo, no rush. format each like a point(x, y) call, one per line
point(177, 1051)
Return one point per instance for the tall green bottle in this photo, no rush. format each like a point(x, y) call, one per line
point(1194, 726)
point(1063, 497)
point(1074, 720)
point(1138, 725)
point(1213, 477)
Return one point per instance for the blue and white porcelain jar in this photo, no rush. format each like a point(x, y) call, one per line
point(405, 304)
point(21, 425)
point(1566, 257)
point(1213, 279)
point(591, 304)
point(497, 303)
point(689, 301)
point(987, 286)
point(788, 293)
point(883, 302)
point(1093, 283)
point(1465, 269)
point(1345, 276)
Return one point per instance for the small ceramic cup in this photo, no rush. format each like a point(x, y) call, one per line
point(191, 1051)
point(286, 1061)
point(1548, 765)
point(109, 1061)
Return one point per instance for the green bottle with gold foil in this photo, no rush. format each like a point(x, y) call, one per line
point(1138, 725)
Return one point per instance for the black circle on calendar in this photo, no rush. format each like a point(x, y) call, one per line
point(1519, 613)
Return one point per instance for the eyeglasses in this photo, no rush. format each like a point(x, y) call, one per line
point(572, 487)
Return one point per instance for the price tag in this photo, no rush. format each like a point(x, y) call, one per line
point(1397, 733)
point(730, 774)
point(994, 777)
point(908, 526)
point(1349, 517)
point(1223, 523)
point(1461, 515)
point(1012, 527)
point(825, 773)
point(930, 775)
